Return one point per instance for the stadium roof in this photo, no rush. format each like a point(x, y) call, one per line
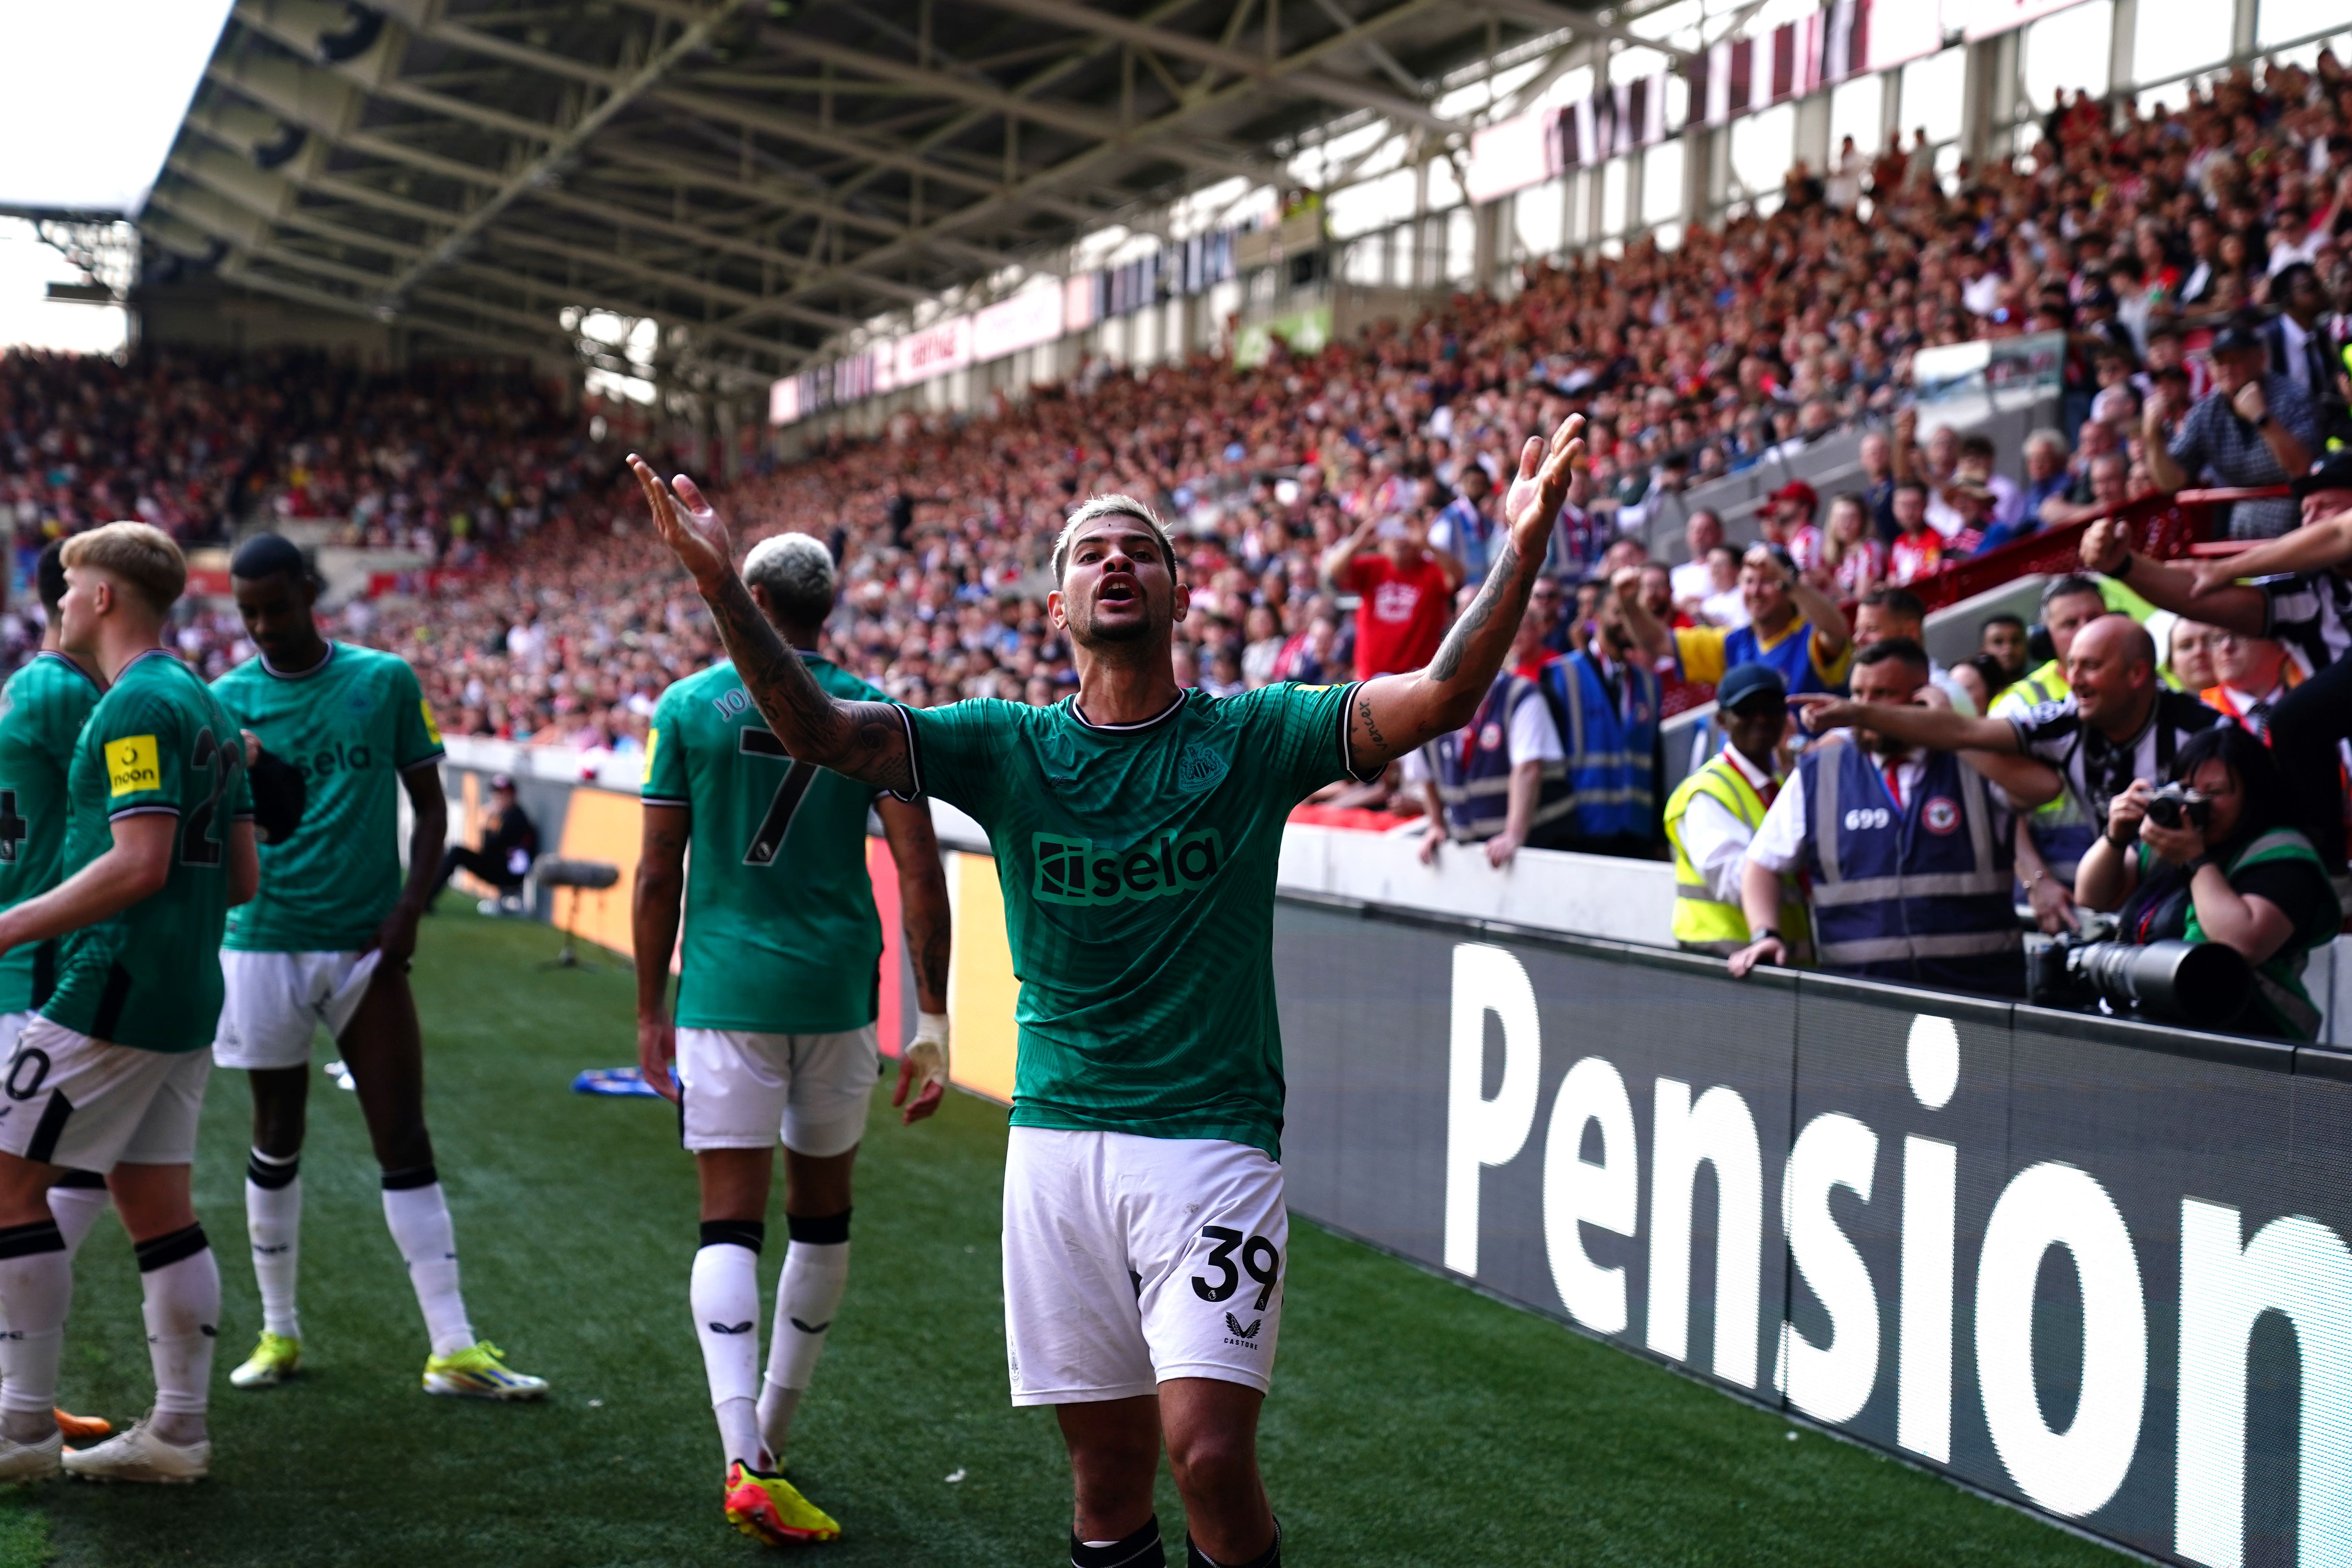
point(758, 176)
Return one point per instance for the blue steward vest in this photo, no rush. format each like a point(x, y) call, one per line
point(1917, 893)
point(1473, 767)
point(1612, 792)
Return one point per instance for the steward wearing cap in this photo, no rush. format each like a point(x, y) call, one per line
point(1714, 814)
point(1792, 626)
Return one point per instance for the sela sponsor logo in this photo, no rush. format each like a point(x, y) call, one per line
point(1941, 815)
point(338, 757)
point(1199, 767)
point(1070, 872)
point(131, 765)
point(1962, 1314)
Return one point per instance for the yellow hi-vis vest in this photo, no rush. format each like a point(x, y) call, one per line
point(1703, 923)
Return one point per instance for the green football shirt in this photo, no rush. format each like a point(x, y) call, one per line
point(353, 723)
point(780, 932)
point(156, 742)
point(42, 711)
point(1137, 865)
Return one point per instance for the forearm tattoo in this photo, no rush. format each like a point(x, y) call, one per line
point(1364, 717)
point(1500, 581)
point(864, 741)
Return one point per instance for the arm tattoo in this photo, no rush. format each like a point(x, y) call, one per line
point(1499, 582)
point(931, 959)
point(1364, 717)
point(864, 741)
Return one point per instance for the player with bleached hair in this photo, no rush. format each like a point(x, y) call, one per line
point(1136, 827)
point(773, 1033)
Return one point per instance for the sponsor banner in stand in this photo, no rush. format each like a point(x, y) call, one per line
point(2094, 1267)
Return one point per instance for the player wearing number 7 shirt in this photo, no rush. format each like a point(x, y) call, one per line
point(775, 1031)
point(1136, 828)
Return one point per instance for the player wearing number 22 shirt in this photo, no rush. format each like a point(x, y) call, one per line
point(1136, 827)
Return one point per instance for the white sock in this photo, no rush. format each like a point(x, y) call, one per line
point(816, 1273)
point(419, 1216)
point(724, 1295)
point(76, 1209)
point(35, 1289)
point(273, 1222)
point(182, 1281)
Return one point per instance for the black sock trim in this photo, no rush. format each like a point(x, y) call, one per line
point(1270, 1558)
point(270, 1175)
point(820, 1229)
point(162, 1252)
point(749, 1232)
point(82, 1179)
point(411, 1179)
point(25, 1240)
point(1140, 1550)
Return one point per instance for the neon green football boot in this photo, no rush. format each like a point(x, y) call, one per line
point(273, 1361)
point(477, 1372)
point(770, 1510)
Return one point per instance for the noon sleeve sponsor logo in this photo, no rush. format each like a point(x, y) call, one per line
point(432, 731)
point(1071, 872)
point(131, 765)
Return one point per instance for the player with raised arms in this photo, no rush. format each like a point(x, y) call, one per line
point(110, 1076)
point(777, 997)
point(328, 941)
point(1136, 828)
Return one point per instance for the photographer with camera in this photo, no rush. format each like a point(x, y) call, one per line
point(2212, 857)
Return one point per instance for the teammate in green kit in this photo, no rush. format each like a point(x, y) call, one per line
point(42, 711)
point(776, 1009)
point(328, 941)
point(110, 1076)
point(1136, 828)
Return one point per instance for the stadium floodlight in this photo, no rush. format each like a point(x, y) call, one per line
point(102, 115)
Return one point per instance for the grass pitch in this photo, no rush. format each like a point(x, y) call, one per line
point(1412, 1423)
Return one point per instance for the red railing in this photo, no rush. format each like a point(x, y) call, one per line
point(2161, 527)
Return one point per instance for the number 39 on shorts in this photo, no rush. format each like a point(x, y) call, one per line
point(1260, 1259)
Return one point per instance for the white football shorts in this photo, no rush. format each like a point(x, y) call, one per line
point(89, 1104)
point(1131, 1260)
point(738, 1090)
point(274, 1002)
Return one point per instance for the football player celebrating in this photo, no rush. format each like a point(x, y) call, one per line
point(775, 1022)
point(328, 941)
point(110, 1076)
point(1136, 828)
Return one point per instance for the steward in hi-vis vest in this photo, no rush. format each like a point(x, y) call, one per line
point(1714, 814)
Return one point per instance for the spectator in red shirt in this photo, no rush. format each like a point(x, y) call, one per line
point(1918, 550)
point(1406, 587)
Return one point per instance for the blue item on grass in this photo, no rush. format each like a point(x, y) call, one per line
point(614, 1081)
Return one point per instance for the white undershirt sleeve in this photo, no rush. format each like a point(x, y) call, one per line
point(1716, 843)
point(1780, 842)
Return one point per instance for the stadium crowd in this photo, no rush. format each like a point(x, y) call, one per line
point(1330, 507)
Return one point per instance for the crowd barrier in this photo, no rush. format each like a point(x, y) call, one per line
point(2096, 1267)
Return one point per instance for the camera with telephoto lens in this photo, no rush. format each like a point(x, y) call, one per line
point(2177, 802)
point(2202, 985)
